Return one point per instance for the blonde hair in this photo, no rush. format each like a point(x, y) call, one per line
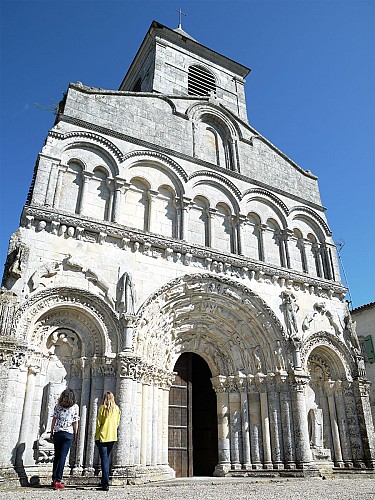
point(108, 402)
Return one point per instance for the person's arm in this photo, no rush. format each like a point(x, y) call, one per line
point(99, 424)
point(53, 424)
point(75, 428)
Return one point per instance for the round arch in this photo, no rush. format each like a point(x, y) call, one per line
point(333, 353)
point(225, 323)
point(70, 308)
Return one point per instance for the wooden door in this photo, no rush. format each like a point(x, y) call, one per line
point(180, 455)
point(192, 429)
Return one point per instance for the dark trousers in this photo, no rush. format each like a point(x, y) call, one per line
point(62, 442)
point(104, 452)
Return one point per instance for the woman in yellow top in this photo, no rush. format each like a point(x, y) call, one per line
point(106, 434)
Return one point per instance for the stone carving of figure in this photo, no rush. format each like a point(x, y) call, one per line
point(15, 269)
point(45, 272)
point(278, 356)
point(126, 294)
point(350, 330)
point(290, 312)
point(257, 358)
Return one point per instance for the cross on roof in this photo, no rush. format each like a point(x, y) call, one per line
point(180, 17)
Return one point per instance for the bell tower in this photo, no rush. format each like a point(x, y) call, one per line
point(171, 62)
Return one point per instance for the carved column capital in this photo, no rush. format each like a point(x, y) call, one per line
point(220, 384)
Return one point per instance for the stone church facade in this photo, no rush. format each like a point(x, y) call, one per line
point(168, 252)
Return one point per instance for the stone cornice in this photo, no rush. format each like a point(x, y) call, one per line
point(155, 246)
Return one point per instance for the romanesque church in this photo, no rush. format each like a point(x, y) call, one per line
point(171, 254)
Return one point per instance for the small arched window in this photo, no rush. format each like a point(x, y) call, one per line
point(200, 81)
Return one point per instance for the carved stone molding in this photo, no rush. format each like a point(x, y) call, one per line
point(138, 370)
point(80, 135)
point(172, 249)
point(51, 305)
point(221, 178)
point(267, 194)
point(161, 157)
point(341, 361)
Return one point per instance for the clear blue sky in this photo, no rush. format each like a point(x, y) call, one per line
point(311, 90)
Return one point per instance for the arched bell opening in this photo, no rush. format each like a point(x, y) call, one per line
point(192, 425)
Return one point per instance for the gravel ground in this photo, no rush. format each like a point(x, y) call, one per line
point(209, 489)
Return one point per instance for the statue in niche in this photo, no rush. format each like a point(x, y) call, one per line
point(125, 294)
point(351, 333)
point(278, 356)
point(315, 420)
point(291, 308)
point(15, 269)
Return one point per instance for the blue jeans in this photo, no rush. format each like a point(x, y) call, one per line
point(104, 452)
point(62, 442)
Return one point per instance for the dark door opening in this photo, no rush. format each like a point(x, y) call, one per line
point(193, 438)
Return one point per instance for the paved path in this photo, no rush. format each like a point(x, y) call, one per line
point(212, 489)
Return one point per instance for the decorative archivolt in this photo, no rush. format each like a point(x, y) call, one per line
point(68, 308)
point(267, 195)
point(79, 138)
point(333, 351)
point(224, 182)
point(198, 110)
point(134, 157)
point(226, 323)
point(319, 221)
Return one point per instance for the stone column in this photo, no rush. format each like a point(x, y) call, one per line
point(111, 186)
point(301, 431)
point(149, 215)
point(120, 187)
point(137, 422)
point(342, 424)
point(334, 425)
point(287, 422)
point(155, 424)
point(184, 220)
point(361, 393)
point(164, 433)
point(286, 234)
point(235, 428)
point(145, 437)
point(353, 425)
point(51, 186)
point(246, 456)
point(210, 230)
point(275, 424)
point(267, 457)
point(124, 394)
point(161, 410)
point(27, 414)
point(242, 221)
point(261, 229)
point(318, 260)
point(95, 397)
point(323, 399)
point(86, 176)
point(83, 407)
point(60, 174)
point(255, 430)
point(219, 385)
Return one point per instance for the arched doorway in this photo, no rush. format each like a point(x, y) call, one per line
point(192, 425)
